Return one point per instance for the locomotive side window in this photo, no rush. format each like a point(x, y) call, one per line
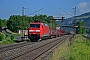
point(35, 25)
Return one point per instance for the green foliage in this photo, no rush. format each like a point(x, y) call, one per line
point(80, 29)
point(2, 37)
point(3, 22)
point(17, 34)
point(12, 37)
point(14, 23)
point(7, 41)
point(80, 50)
point(54, 24)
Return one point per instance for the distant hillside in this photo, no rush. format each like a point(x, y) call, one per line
point(85, 17)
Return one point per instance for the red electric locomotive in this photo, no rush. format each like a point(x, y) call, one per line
point(38, 30)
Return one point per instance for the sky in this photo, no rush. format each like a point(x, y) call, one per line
point(55, 8)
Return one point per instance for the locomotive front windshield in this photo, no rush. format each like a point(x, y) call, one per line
point(34, 25)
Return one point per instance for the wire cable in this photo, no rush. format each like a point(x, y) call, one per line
point(62, 10)
point(50, 6)
point(26, 8)
point(66, 12)
point(16, 3)
point(35, 11)
point(28, 3)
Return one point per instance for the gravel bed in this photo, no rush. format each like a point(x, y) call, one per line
point(15, 51)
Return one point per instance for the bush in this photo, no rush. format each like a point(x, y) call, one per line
point(2, 36)
point(12, 37)
point(7, 41)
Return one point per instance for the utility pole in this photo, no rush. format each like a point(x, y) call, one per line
point(74, 30)
point(22, 21)
point(75, 14)
point(74, 18)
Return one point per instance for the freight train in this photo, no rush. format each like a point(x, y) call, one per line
point(38, 30)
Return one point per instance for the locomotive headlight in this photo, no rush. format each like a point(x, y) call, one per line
point(30, 30)
point(37, 30)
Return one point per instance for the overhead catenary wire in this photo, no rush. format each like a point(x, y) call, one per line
point(16, 3)
point(29, 3)
point(50, 6)
point(62, 10)
point(26, 7)
point(19, 4)
point(35, 11)
point(66, 12)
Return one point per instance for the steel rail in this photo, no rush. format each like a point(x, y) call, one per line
point(15, 56)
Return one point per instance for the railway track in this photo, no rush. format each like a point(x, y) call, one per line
point(6, 51)
point(29, 52)
point(10, 47)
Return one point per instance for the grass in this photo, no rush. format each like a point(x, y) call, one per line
point(79, 50)
point(60, 52)
point(9, 39)
point(6, 41)
point(15, 34)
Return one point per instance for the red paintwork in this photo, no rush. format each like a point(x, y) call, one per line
point(44, 30)
point(53, 32)
point(62, 32)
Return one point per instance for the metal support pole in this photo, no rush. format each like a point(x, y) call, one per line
point(75, 14)
point(23, 21)
point(74, 18)
point(51, 26)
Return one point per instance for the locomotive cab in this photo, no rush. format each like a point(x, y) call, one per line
point(34, 31)
point(37, 30)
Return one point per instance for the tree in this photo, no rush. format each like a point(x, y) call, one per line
point(80, 29)
point(2, 36)
point(14, 23)
point(3, 22)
